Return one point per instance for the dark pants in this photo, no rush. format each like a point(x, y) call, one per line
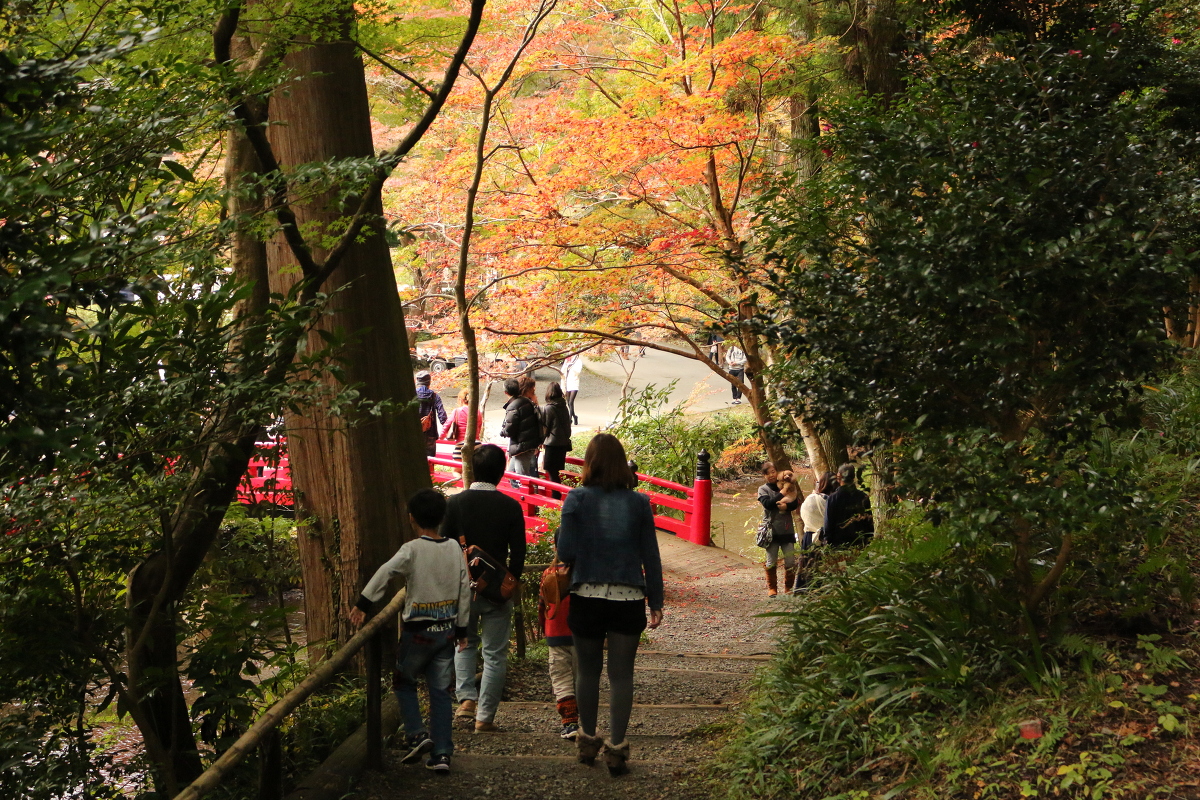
point(571, 405)
point(428, 653)
point(621, 622)
point(739, 374)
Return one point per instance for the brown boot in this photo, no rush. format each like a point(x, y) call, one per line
point(772, 580)
point(615, 757)
point(589, 748)
point(789, 580)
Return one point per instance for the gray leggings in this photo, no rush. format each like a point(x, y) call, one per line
point(789, 554)
point(589, 662)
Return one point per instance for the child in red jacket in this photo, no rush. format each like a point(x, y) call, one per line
point(553, 618)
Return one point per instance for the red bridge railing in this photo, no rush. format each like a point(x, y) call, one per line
point(685, 511)
point(692, 504)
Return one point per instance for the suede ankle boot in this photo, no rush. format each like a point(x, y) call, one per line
point(615, 757)
point(589, 748)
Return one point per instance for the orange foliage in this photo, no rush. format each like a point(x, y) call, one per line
point(620, 163)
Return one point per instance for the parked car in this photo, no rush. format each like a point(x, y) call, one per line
point(439, 355)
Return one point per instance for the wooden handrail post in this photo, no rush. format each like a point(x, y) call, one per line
point(270, 767)
point(276, 713)
point(374, 702)
point(519, 619)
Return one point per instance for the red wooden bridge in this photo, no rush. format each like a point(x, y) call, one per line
point(685, 511)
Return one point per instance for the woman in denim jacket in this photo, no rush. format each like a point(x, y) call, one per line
point(608, 538)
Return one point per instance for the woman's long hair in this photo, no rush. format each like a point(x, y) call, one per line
point(605, 465)
point(554, 392)
point(826, 483)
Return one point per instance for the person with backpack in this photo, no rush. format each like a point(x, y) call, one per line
point(429, 405)
point(554, 609)
point(436, 612)
point(522, 427)
point(481, 517)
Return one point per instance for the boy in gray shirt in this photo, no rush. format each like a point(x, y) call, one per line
point(436, 611)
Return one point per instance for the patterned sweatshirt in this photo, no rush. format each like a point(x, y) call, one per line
point(439, 588)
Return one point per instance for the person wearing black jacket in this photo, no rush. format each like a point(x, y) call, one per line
point(484, 517)
point(522, 427)
point(848, 521)
point(556, 419)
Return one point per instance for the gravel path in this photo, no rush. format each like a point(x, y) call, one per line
point(691, 673)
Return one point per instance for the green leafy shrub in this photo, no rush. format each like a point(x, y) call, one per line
point(255, 555)
point(665, 441)
point(882, 642)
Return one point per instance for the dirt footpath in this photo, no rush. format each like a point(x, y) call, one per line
point(690, 675)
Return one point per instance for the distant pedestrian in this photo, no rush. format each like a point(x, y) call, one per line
point(522, 427)
point(848, 520)
point(436, 612)
point(484, 517)
point(714, 348)
point(571, 370)
point(777, 514)
point(608, 538)
point(556, 418)
point(735, 364)
point(812, 515)
point(455, 430)
point(430, 411)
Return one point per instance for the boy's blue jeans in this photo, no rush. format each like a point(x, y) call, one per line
point(429, 653)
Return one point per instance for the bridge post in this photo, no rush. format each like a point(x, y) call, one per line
point(702, 502)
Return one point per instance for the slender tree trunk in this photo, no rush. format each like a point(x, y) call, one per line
point(806, 131)
point(158, 583)
point(883, 495)
point(460, 292)
point(352, 478)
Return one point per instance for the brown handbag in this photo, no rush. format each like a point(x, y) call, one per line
point(556, 581)
point(489, 580)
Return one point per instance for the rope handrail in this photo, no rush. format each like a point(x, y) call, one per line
point(289, 702)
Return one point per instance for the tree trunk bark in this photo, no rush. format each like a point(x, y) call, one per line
point(834, 444)
point(352, 477)
point(883, 496)
point(806, 131)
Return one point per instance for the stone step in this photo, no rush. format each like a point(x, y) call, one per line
point(534, 777)
point(604, 704)
point(548, 743)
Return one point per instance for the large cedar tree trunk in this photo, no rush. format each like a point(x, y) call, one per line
point(352, 480)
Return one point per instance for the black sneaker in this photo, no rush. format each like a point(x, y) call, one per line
point(416, 746)
point(438, 763)
point(569, 730)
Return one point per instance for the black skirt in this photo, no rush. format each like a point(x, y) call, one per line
point(555, 458)
point(596, 617)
